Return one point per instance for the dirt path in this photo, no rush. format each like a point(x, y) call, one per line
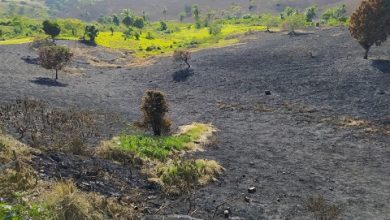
point(290, 145)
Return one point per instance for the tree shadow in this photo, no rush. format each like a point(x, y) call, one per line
point(182, 75)
point(382, 65)
point(30, 60)
point(88, 43)
point(44, 81)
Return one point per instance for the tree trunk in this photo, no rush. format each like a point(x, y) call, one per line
point(56, 74)
point(188, 65)
point(366, 53)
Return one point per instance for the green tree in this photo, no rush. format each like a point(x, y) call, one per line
point(51, 28)
point(289, 11)
point(182, 16)
point(115, 20)
point(139, 22)
point(338, 13)
point(154, 108)
point(92, 32)
point(163, 26)
point(295, 21)
point(128, 18)
point(54, 57)
point(269, 21)
point(310, 13)
point(215, 29)
point(370, 23)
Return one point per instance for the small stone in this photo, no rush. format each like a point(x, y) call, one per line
point(252, 163)
point(278, 199)
point(252, 189)
point(226, 213)
point(267, 92)
point(247, 199)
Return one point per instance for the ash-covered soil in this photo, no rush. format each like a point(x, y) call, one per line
point(325, 130)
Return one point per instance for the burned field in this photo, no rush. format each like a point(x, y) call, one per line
point(319, 141)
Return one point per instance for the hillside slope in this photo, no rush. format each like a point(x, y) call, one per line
point(325, 129)
point(91, 10)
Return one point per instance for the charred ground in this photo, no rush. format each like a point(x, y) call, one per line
point(323, 131)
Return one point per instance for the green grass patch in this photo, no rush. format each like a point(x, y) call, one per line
point(145, 146)
point(16, 41)
point(180, 36)
point(155, 148)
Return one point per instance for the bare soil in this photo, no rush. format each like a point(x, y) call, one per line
point(324, 130)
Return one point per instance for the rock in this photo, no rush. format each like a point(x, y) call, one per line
point(252, 189)
point(267, 92)
point(169, 217)
point(247, 199)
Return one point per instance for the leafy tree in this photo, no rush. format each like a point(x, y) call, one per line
point(51, 28)
point(295, 21)
point(163, 26)
point(337, 13)
point(115, 20)
point(112, 31)
point(54, 57)
point(92, 32)
point(270, 21)
point(182, 56)
point(188, 10)
point(145, 16)
point(127, 18)
point(289, 11)
point(196, 12)
point(370, 23)
point(310, 13)
point(215, 29)
point(139, 23)
point(128, 33)
point(154, 107)
point(182, 16)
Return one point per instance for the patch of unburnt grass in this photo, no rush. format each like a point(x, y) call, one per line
point(162, 157)
point(322, 210)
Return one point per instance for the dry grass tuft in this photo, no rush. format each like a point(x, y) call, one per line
point(67, 203)
point(322, 210)
point(201, 134)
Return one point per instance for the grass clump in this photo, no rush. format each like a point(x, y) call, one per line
point(182, 176)
point(156, 147)
point(66, 202)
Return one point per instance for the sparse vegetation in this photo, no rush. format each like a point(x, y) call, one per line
point(322, 210)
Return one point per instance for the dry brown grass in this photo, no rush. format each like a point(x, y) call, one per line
point(67, 202)
point(322, 210)
point(15, 172)
point(361, 124)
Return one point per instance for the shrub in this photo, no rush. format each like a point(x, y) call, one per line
point(163, 26)
point(154, 108)
point(54, 57)
point(370, 24)
point(215, 29)
point(182, 56)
